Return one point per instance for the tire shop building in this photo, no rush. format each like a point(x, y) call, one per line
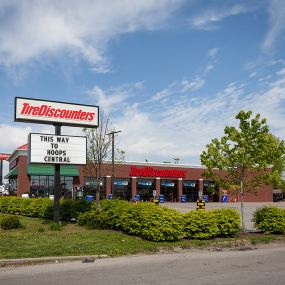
point(145, 179)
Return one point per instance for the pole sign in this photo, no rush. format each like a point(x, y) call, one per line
point(55, 112)
point(55, 149)
point(4, 156)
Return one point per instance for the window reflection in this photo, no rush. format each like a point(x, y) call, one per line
point(43, 186)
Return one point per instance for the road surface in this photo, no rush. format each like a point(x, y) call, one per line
point(258, 266)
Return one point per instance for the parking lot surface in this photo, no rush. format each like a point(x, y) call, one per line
point(249, 208)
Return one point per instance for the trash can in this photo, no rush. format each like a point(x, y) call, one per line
point(110, 196)
point(183, 199)
point(89, 198)
point(224, 198)
point(138, 197)
point(206, 198)
point(161, 199)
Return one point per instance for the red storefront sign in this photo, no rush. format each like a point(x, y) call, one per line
point(151, 172)
point(4, 156)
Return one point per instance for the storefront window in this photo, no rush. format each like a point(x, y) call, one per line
point(43, 186)
point(13, 186)
point(169, 188)
point(145, 188)
point(190, 188)
point(90, 187)
point(211, 190)
point(122, 189)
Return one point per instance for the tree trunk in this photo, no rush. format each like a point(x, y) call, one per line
point(98, 207)
point(242, 206)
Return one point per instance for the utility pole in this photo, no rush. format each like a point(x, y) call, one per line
point(113, 156)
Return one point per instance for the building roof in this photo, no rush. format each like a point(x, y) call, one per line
point(23, 147)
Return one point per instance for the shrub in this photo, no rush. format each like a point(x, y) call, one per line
point(142, 219)
point(270, 219)
point(228, 222)
point(9, 222)
point(93, 220)
point(161, 224)
point(42, 207)
point(201, 224)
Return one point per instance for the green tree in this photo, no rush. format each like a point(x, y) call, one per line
point(243, 158)
point(279, 167)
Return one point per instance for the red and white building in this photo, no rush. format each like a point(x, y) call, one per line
point(130, 179)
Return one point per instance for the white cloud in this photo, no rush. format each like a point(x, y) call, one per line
point(113, 99)
point(182, 126)
point(188, 86)
point(252, 74)
point(212, 53)
point(30, 29)
point(13, 137)
point(178, 88)
point(277, 25)
point(209, 19)
point(281, 72)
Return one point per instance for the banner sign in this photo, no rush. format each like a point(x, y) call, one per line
point(55, 112)
point(52, 149)
point(4, 156)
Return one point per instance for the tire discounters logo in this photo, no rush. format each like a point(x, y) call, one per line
point(54, 112)
point(151, 172)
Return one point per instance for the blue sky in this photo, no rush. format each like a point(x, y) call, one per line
point(171, 73)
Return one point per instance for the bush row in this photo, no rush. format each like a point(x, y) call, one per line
point(160, 223)
point(270, 219)
point(42, 207)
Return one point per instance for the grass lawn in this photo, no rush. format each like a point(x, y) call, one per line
point(40, 238)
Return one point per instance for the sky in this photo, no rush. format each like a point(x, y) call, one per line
point(170, 73)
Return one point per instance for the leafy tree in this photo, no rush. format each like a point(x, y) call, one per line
point(242, 158)
point(279, 167)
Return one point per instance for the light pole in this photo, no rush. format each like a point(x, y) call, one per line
point(176, 159)
point(113, 156)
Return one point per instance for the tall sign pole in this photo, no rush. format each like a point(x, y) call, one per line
point(56, 149)
point(113, 156)
point(56, 182)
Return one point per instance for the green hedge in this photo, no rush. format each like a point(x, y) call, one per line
point(270, 219)
point(160, 223)
point(212, 223)
point(142, 219)
point(201, 225)
point(43, 207)
point(8, 222)
point(228, 222)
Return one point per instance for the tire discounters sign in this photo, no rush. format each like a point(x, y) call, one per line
point(4, 156)
point(55, 112)
point(52, 149)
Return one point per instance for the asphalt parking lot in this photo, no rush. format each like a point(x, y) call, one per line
point(249, 208)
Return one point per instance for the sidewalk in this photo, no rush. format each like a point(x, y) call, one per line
point(51, 259)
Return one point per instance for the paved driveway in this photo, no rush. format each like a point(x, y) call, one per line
point(249, 208)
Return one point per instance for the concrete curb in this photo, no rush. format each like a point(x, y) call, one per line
point(42, 260)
